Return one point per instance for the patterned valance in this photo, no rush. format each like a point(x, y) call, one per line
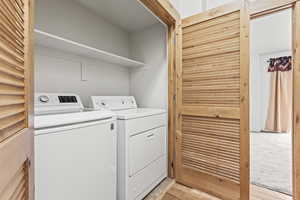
point(280, 64)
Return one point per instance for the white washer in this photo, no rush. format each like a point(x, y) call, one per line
point(142, 145)
point(75, 151)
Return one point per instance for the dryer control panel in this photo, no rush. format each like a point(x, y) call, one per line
point(113, 102)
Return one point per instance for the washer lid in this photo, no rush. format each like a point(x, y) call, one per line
point(138, 113)
point(53, 120)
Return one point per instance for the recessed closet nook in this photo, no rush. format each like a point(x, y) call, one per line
point(101, 48)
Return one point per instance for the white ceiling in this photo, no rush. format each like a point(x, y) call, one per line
point(127, 14)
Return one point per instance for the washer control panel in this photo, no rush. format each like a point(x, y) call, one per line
point(47, 103)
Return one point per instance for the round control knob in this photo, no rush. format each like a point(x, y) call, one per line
point(44, 99)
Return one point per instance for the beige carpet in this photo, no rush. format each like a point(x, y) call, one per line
point(271, 161)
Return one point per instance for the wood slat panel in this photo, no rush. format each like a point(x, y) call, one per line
point(212, 103)
point(18, 15)
point(10, 30)
point(218, 33)
point(12, 120)
point(213, 48)
point(16, 139)
point(6, 133)
point(11, 80)
point(212, 23)
point(11, 18)
point(8, 111)
point(11, 90)
point(9, 39)
point(213, 80)
point(12, 73)
point(218, 112)
point(212, 146)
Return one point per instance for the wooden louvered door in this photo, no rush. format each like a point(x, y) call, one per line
point(212, 143)
point(16, 133)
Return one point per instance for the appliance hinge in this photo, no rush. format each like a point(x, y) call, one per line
point(174, 97)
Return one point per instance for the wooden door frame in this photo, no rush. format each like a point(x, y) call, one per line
point(29, 91)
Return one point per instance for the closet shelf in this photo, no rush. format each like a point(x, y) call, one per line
point(56, 42)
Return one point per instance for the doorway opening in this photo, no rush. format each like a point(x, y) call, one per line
point(271, 100)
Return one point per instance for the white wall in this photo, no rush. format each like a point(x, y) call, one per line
point(191, 7)
point(215, 3)
point(150, 85)
point(188, 8)
point(176, 4)
point(69, 19)
point(57, 71)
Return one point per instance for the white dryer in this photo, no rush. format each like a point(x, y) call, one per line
point(75, 151)
point(142, 145)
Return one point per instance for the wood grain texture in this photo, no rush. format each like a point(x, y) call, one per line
point(212, 143)
point(12, 65)
point(244, 102)
point(164, 10)
point(171, 100)
point(29, 89)
point(16, 99)
point(296, 102)
point(178, 119)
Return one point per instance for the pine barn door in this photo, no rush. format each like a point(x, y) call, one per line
point(212, 142)
point(16, 133)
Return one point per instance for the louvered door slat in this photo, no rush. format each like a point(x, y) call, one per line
point(18, 16)
point(11, 51)
point(9, 38)
point(212, 97)
point(16, 134)
point(11, 71)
